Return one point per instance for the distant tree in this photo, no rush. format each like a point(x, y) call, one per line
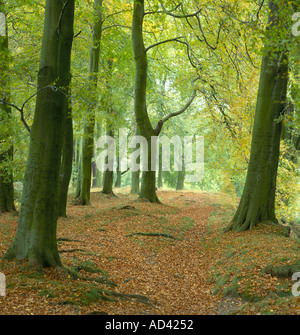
point(6, 148)
point(85, 172)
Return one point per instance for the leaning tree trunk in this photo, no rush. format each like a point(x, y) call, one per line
point(88, 137)
point(35, 238)
point(257, 203)
point(6, 157)
point(148, 187)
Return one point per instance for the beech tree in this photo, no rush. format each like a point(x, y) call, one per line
point(35, 238)
point(257, 203)
point(145, 129)
point(85, 173)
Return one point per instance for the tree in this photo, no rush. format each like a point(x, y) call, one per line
point(6, 149)
point(148, 185)
point(35, 238)
point(84, 178)
point(257, 203)
point(66, 162)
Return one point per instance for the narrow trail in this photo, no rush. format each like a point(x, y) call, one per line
point(174, 273)
point(155, 251)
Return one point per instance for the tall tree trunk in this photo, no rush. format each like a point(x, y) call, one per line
point(66, 164)
point(135, 182)
point(257, 203)
point(6, 157)
point(97, 173)
point(148, 187)
point(135, 175)
point(88, 137)
point(35, 238)
point(78, 161)
point(108, 175)
point(159, 177)
point(118, 172)
point(180, 177)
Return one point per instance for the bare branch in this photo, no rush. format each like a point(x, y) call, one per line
point(176, 15)
point(116, 25)
point(182, 110)
point(21, 109)
point(162, 11)
point(176, 39)
point(3, 101)
point(204, 38)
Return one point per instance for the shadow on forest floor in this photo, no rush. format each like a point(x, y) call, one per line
point(134, 257)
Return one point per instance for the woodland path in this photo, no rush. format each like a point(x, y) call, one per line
point(172, 268)
point(173, 272)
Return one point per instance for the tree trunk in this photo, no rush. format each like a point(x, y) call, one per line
point(66, 164)
point(118, 173)
point(180, 177)
point(135, 182)
point(257, 203)
point(35, 238)
point(6, 157)
point(148, 187)
point(88, 137)
point(97, 173)
point(108, 175)
point(135, 175)
point(78, 164)
point(159, 177)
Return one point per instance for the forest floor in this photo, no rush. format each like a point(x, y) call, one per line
point(129, 257)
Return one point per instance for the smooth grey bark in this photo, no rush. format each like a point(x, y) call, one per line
point(35, 238)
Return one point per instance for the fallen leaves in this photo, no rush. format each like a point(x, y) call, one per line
point(179, 274)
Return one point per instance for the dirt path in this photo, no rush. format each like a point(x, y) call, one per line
point(172, 272)
point(171, 268)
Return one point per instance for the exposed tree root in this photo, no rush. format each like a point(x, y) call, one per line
point(153, 234)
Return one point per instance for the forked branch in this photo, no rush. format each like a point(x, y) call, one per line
point(182, 110)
